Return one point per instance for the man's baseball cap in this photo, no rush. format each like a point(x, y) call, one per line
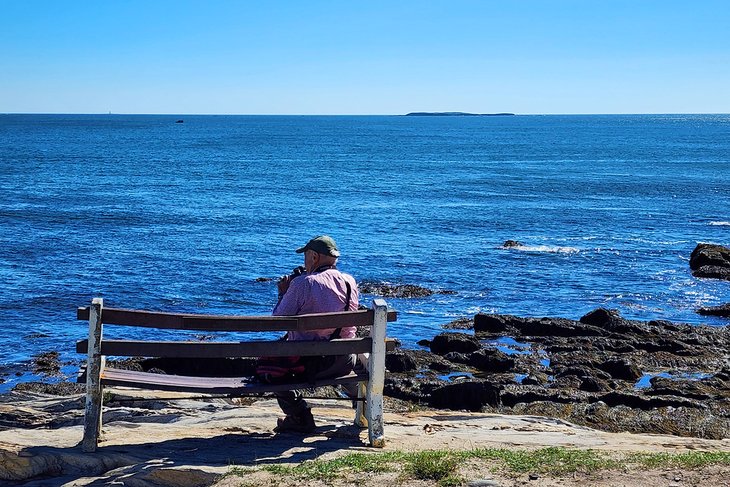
point(322, 244)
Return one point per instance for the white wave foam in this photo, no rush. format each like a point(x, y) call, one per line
point(719, 224)
point(546, 249)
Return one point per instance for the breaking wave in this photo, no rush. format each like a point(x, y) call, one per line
point(550, 249)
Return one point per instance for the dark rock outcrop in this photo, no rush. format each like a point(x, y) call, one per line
point(585, 371)
point(400, 361)
point(710, 261)
point(512, 243)
point(472, 395)
point(722, 310)
point(454, 342)
point(609, 319)
point(47, 363)
point(553, 327)
point(491, 360)
point(398, 290)
point(621, 368)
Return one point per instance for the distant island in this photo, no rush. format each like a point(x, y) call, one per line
point(456, 114)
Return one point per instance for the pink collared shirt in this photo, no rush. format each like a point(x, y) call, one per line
point(320, 292)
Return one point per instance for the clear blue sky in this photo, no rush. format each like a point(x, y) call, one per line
point(365, 57)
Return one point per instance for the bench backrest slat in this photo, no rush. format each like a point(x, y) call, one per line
point(183, 321)
point(137, 348)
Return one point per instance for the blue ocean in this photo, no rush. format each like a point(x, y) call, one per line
point(152, 214)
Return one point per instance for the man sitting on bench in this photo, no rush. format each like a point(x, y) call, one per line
point(318, 288)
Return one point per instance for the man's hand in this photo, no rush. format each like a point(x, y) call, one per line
point(283, 284)
point(285, 281)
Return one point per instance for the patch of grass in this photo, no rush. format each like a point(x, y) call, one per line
point(330, 470)
point(441, 466)
point(431, 465)
point(552, 460)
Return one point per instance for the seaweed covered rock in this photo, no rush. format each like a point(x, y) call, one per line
point(491, 360)
point(409, 388)
point(722, 310)
point(401, 360)
point(584, 371)
point(472, 395)
point(398, 290)
point(47, 363)
point(621, 368)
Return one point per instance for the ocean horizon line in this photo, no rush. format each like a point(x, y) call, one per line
point(435, 114)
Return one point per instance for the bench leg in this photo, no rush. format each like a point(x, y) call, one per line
point(92, 420)
point(376, 382)
point(94, 389)
point(374, 415)
point(360, 419)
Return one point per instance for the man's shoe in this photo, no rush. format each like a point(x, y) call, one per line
point(300, 423)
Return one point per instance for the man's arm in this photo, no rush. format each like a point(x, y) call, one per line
point(291, 302)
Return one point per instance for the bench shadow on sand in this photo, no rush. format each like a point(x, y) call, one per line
point(230, 449)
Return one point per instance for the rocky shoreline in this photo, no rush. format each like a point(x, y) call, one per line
point(602, 371)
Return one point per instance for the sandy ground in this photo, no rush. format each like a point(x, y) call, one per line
point(193, 442)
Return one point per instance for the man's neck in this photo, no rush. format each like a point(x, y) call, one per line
point(324, 267)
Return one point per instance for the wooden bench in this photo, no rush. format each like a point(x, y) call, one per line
point(96, 375)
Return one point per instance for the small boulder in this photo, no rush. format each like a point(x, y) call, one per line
point(591, 384)
point(485, 323)
point(709, 254)
point(609, 319)
point(47, 363)
point(491, 360)
point(622, 369)
point(722, 310)
point(710, 260)
point(400, 361)
point(454, 342)
point(712, 272)
point(457, 357)
point(414, 389)
point(537, 379)
point(460, 324)
point(470, 395)
point(600, 317)
point(512, 243)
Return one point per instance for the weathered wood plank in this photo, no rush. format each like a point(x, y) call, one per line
point(139, 348)
point(182, 321)
point(94, 389)
point(210, 385)
point(374, 388)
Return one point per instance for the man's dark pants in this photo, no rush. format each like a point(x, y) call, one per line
point(292, 402)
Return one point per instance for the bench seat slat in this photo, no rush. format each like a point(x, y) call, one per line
point(183, 321)
point(207, 385)
point(138, 348)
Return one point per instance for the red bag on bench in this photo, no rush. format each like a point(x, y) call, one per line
point(280, 369)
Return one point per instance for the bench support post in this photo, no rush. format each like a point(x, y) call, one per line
point(360, 420)
point(374, 396)
point(94, 391)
